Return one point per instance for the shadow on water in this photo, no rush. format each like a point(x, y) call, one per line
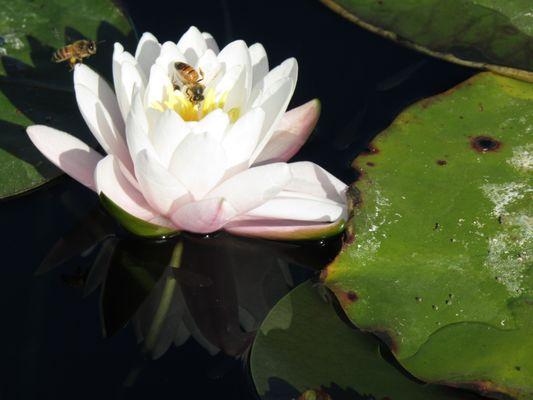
point(216, 289)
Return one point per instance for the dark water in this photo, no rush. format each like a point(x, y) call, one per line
point(53, 347)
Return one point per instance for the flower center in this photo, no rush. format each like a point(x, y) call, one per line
point(189, 111)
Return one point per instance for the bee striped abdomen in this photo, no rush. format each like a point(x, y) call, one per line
point(61, 54)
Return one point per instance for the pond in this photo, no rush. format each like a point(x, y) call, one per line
point(92, 312)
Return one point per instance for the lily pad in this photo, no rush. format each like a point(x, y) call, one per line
point(303, 345)
point(491, 34)
point(439, 264)
point(34, 90)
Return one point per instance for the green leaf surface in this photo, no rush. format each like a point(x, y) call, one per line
point(303, 345)
point(133, 224)
point(492, 34)
point(440, 259)
point(35, 90)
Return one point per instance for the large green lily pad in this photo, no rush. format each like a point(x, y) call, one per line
point(492, 34)
point(303, 345)
point(33, 89)
point(440, 265)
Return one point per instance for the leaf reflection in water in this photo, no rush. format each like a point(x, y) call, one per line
point(216, 289)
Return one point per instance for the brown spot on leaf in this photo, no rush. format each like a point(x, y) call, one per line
point(442, 162)
point(370, 150)
point(352, 296)
point(370, 164)
point(484, 144)
point(481, 107)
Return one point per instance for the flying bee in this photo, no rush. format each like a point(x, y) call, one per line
point(75, 52)
point(190, 78)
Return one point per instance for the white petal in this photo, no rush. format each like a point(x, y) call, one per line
point(259, 60)
point(167, 133)
point(169, 55)
point(287, 206)
point(236, 54)
point(101, 124)
point(204, 216)
point(274, 102)
point(312, 179)
point(130, 78)
point(242, 138)
point(210, 42)
point(159, 187)
point(67, 152)
point(110, 181)
point(231, 86)
point(253, 187)
point(137, 130)
point(86, 76)
point(157, 85)
point(147, 51)
point(119, 57)
point(199, 163)
point(214, 124)
point(288, 68)
point(192, 44)
point(211, 68)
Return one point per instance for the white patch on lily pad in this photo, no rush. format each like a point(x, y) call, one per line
point(504, 194)
point(522, 158)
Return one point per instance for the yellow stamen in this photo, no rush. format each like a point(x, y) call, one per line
point(177, 101)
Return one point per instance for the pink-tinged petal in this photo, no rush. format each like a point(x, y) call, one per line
point(110, 181)
point(274, 103)
point(259, 60)
point(83, 75)
point(199, 163)
point(101, 124)
point(159, 187)
point(253, 187)
point(314, 180)
point(242, 138)
point(236, 54)
point(285, 230)
point(169, 55)
point(192, 44)
point(67, 152)
point(168, 132)
point(147, 51)
point(210, 42)
point(299, 207)
point(291, 133)
point(204, 216)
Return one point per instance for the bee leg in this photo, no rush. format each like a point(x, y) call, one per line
point(201, 74)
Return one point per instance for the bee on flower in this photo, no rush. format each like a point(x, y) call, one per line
point(198, 139)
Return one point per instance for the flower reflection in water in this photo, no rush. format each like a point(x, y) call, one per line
point(216, 289)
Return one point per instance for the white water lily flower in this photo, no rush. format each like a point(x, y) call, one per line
point(219, 164)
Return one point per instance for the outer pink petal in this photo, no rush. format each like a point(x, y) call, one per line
point(110, 181)
point(285, 230)
point(291, 133)
point(204, 216)
point(67, 152)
